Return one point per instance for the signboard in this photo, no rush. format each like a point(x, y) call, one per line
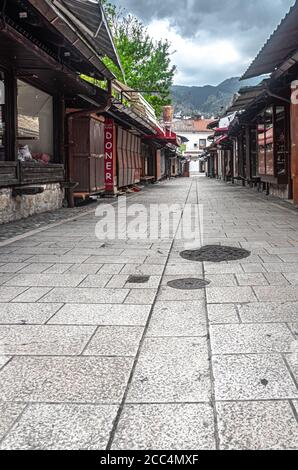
point(109, 144)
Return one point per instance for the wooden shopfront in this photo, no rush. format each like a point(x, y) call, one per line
point(273, 149)
point(41, 58)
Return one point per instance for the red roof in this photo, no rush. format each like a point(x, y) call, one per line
point(192, 125)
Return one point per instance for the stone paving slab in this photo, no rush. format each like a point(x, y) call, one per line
point(143, 269)
point(122, 281)
point(86, 295)
point(178, 319)
point(9, 412)
point(269, 312)
point(252, 377)
point(36, 268)
point(46, 280)
point(13, 267)
point(4, 360)
point(26, 313)
point(219, 313)
point(65, 379)
point(274, 294)
point(115, 341)
point(92, 333)
point(251, 339)
point(171, 370)
point(165, 427)
point(217, 295)
point(59, 427)
point(257, 425)
point(102, 315)
point(9, 293)
point(44, 340)
point(167, 293)
point(4, 278)
point(31, 294)
point(141, 296)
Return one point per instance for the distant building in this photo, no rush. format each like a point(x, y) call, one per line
point(195, 130)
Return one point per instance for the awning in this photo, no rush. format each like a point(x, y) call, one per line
point(279, 47)
point(246, 97)
point(213, 124)
point(67, 20)
point(42, 68)
point(165, 138)
point(90, 18)
point(221, 139)
point(220, 131)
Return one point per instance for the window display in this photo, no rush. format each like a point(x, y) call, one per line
point(273, 142)
point(35, 124)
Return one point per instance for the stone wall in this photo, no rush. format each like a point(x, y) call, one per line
point(21, 207)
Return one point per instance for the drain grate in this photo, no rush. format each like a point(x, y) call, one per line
point(215, 254)
point(188, 284)
point(137, 279)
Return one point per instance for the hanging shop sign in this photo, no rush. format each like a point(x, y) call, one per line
point(109, 143)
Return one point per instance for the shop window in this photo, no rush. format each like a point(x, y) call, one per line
point(2, 117)
point(35, 124)
point(253, 152)
point(266, 144)
point(281, 140)
point(273, 142)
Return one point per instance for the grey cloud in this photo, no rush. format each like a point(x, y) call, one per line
point(247, 23)
point(216, 16)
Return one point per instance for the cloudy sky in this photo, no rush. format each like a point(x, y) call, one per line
point(211, 39)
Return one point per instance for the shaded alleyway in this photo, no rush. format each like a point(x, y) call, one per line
point(90, 360)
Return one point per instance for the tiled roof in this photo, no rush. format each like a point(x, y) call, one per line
point(192, 125)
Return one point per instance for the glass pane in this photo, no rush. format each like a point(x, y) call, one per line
point(269, 142)
point(281, 141)
point(35, 123)
point(253, 151)
point(2, 117)
point(261, 150)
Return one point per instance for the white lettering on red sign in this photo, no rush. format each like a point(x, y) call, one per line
point(109, 161)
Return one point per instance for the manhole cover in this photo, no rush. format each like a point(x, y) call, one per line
point(215, 254)
point(137, 279)
point(188, 284)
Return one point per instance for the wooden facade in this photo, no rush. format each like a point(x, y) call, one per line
point(86, 154)
point(41, 58)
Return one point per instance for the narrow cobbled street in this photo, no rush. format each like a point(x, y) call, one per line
point(91, 360)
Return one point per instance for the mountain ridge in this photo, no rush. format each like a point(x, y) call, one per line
point(207, 100)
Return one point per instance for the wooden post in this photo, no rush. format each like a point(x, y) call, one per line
point(294, 139)
point(248, 174)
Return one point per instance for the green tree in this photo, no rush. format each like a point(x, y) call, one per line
point(146, 63)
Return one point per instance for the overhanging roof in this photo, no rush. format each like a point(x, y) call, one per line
point(279, 47)
point(71, 28)
point(246, 96)
point(89, 18)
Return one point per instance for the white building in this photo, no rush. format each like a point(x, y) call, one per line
point(195, 130)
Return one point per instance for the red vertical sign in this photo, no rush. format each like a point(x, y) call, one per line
point(109, 154)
